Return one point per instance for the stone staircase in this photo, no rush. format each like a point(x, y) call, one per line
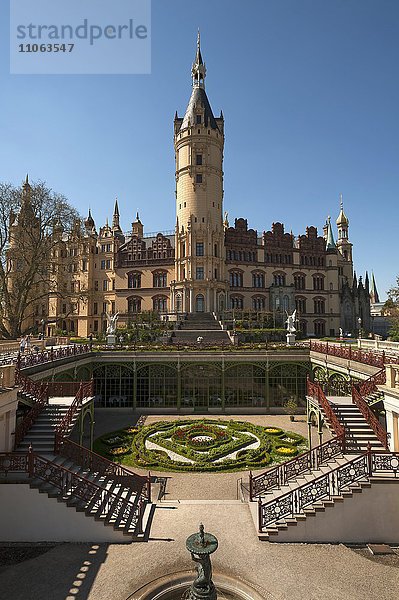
point(75, 476)
point(288, 495)
point(358, 433)
point(101, 497)
point(41, 434)
point(374, 397)
point(200, 325)
point(283, 525)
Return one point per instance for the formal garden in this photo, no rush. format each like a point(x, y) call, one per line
point(200, 445)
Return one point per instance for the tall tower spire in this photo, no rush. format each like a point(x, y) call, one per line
point(198, 70)
point(374, 297)
point(200, 281)
point(115, 218)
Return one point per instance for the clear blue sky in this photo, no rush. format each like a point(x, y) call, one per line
point(310, 95)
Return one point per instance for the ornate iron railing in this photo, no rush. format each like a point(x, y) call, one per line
point(86, 390)
point(63, 388)
point(369, 386)
point(371, 358)
point(322, 488)
point(315, 391)
point(370, 417)
point(30, 360)
point(327, 486)
point(90, 460)
point(38, 391)
point(130, 512)
point(306, 462)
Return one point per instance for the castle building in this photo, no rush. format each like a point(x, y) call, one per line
point(205, 265)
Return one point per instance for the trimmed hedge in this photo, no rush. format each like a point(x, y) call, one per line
point(210, 456)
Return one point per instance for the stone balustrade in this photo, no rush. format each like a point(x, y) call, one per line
point(378, 344)
point(392, 376)
point(7, 376)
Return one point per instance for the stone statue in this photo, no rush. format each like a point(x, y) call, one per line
point(291, 322)
point(112, 320)
point(226, 219)
point(341, 333)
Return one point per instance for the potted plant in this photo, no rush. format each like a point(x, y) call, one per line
point(290, 407)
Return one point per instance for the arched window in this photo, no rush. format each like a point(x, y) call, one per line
point(299, 281)
point(318, 282)
point(300, 304)
point(279, 279)
point(236, 279)
point(319, 306)
point(236, 302)
point(286, 303)
point(199, 303)
point(134, 280)
point(160, 279)
point(160, 304)
point(178, 303)
point(134, 304)
point(258, 280)
point(259, 303)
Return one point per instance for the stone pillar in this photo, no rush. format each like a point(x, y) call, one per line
point(191, 300)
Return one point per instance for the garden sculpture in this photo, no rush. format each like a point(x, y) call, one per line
point(201, 545)
point(112, 320)
point(291, 322)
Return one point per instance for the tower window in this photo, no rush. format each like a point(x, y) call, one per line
point(198, 159)
point(199, 273)
point(198, 120)
point(199, 248)
point(198, 178)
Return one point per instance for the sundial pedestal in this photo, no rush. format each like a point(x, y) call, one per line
point(201, 545)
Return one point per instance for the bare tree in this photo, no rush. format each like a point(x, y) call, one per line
point(28, 218)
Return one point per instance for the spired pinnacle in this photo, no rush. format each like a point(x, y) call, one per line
point(198, 70)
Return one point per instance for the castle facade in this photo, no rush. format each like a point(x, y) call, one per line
point(205, 264)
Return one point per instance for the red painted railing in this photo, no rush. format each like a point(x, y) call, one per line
point(374, 359)
point(370, 417)
point(86, 390)
point(69, 484)
point(30, 360)
point(90, 460)
point(281, 474)
point(60, 389)
point(38, 390)
point(369, 386)
point(315, 391)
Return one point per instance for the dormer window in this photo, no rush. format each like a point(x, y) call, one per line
point(198, 119)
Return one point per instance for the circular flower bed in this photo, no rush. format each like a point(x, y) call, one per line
point(200, 445)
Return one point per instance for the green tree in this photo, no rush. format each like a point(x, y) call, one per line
point(391, 310)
